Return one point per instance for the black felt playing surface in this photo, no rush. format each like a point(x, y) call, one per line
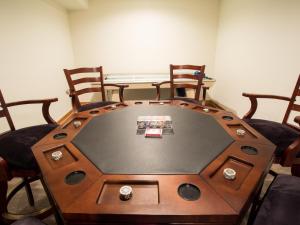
point(111, 143)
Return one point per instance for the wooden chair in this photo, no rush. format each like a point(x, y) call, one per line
point(195, 73)
point(280, 204)
point(16, 158)
point(285, 135)
point(75, 93)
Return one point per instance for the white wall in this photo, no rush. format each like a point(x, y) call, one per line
point(35, 46)
point(132, 36)
point(258, 51)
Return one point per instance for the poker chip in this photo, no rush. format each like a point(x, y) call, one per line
point(125, 193)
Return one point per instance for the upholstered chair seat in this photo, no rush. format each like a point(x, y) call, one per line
point(17, 159)
point(281, 203)
point(279, 134)
point(15, 146)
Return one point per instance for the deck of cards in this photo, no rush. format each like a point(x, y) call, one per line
point(156, 132)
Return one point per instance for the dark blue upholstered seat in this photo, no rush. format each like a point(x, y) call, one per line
point(280, 135)
point(15, 146)
point(281, 204)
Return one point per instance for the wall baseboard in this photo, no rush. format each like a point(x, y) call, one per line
point(220, 106)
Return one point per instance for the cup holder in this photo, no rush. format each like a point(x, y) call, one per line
point(189, 192)
point(75, 177)
point(94, 111)
point(249, 150)
point(60, 136)
point(228, 118)
point(184, 104)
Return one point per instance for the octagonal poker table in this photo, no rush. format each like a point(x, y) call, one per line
point(178, 178)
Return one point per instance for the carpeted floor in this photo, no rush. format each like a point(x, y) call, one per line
point(19, 202)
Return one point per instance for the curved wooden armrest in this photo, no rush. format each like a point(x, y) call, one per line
point(266, 96)
point(289, 156)
point(45, 108)
point(121, 89)
point(4, 173)
point(37, 101)
point(253, 99)
point(157, 85)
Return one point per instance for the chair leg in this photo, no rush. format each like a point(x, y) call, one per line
point(29, 192)
point(3, 202)
point(254, 207)
point(20, 186)
point(273, 173)
point(204, 96)
point(4, 177)
point(295, 170)
point(9, 217)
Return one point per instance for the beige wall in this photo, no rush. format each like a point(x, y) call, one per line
point(131, 36)
point(258, 50)
point(35, 45)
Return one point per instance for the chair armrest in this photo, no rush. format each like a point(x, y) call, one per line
point(266, 96)
point(121, 89)
point(205, 88)
point(38, 101)
point(45, 108)
point(157, 85)
point(70, 93)
point(4, 172)
point(253, 99)
point(289, 156)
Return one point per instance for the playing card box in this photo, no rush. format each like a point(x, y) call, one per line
point(153, 133)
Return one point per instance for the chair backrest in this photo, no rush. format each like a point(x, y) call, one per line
point(292, 105)
point(190, 72)
point(5, 113)
point(73, 82)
